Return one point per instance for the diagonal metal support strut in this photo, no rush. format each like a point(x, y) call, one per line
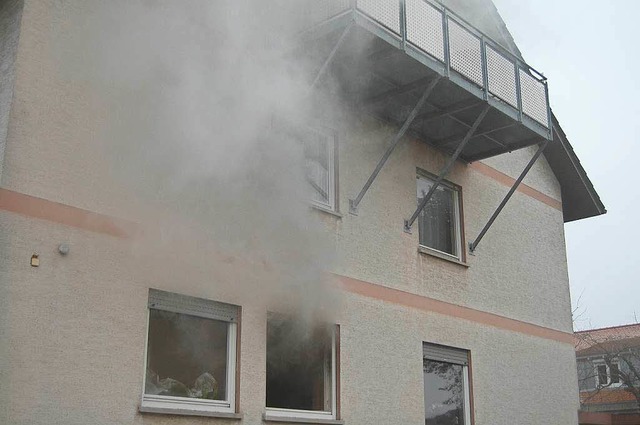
point(443, 173)
point(353, 203)
point(329, 59)
point(473, 245)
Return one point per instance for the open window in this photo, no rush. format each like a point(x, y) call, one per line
point(301, 370)
point(446, 385)
point(440, 221)
point(191, 355)
point(607, 373)
point(319, 146)
point(319, 154)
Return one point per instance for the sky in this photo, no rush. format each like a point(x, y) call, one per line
point(590, 53)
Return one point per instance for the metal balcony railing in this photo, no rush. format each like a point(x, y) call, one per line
point(439, 38)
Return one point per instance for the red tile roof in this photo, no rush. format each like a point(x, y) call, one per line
point(629, 335)
point(606, 396)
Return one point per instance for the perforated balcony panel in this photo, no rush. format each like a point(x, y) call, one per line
point(466, 56)
point(386, 12)
point(424, 28)
point(502, 77)
point(534, 98)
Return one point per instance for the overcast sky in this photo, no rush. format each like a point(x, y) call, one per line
point(590, 52)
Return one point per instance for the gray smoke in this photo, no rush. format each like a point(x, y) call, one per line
point(190, 91)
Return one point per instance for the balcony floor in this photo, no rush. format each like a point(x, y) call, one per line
point(373, 72)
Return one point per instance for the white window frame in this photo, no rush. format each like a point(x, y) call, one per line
point(421, 174)
point(331, 147)
point(275, 413)
point(193, 406)
point(283, 125)
point(608, 384)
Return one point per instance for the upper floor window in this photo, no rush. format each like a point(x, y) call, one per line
point(319, 147)
point(607, 373)
point(301, 370)
point(446, 385)
point(439, 223)
point(319, 155)
point(191, 355)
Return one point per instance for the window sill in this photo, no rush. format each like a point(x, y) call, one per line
point(433, 253)
point(189, 412)
point(270, 417)
point(326, 210)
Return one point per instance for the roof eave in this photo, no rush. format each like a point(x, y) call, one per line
point(579, 198)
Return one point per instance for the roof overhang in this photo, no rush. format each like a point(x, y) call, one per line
point(579, 197)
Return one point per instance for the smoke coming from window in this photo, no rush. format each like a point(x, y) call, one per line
point(185, 97)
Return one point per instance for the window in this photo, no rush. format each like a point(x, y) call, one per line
point(191, 355)
point(301, 370)
point(439, 222)
point(446, 385)
point(319, 151)
point(319, 154)
point(607, 373)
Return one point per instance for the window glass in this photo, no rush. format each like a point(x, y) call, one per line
point(318, 155)
point(299, 366)
point(602, 375)
point(615, 373)
point(186, 356)
point(318, 148)
point(444, 393)
point(438, 221)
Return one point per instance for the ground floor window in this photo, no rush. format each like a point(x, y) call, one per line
point(191, 353)
point(446, 385)
point(301, 369)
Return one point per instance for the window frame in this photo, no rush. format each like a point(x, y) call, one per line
point(458, 219)
point(276, 413)
point(332, 151)
point(466, 377)
point(193, 406)
point(602, 362)
point(283, 125)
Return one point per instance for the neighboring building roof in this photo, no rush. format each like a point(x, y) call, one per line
point(592, 341)
point(579, 197)
point(606, 396)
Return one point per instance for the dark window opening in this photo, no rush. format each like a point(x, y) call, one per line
point(615, 373)
point(299, 366)
point(603, 378)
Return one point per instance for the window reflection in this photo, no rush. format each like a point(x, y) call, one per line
point(443, 393)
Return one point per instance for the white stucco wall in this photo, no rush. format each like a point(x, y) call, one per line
point(519, 270)
point(73, 333)
point(80, 320)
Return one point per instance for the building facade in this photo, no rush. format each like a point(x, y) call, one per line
point(608, 374)
point(133, 294)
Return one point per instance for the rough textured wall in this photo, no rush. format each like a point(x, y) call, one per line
point(519, 270)
point(10, 14)
point(57, 146)
point(73, 333)
point(80, 319)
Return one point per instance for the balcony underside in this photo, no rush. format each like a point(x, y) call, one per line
point(380, 75)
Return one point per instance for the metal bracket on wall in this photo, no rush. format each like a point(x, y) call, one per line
point(445, 170)
point(473, 245)
point(353, 203)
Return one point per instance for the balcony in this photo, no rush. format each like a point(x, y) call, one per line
point(393, 58)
